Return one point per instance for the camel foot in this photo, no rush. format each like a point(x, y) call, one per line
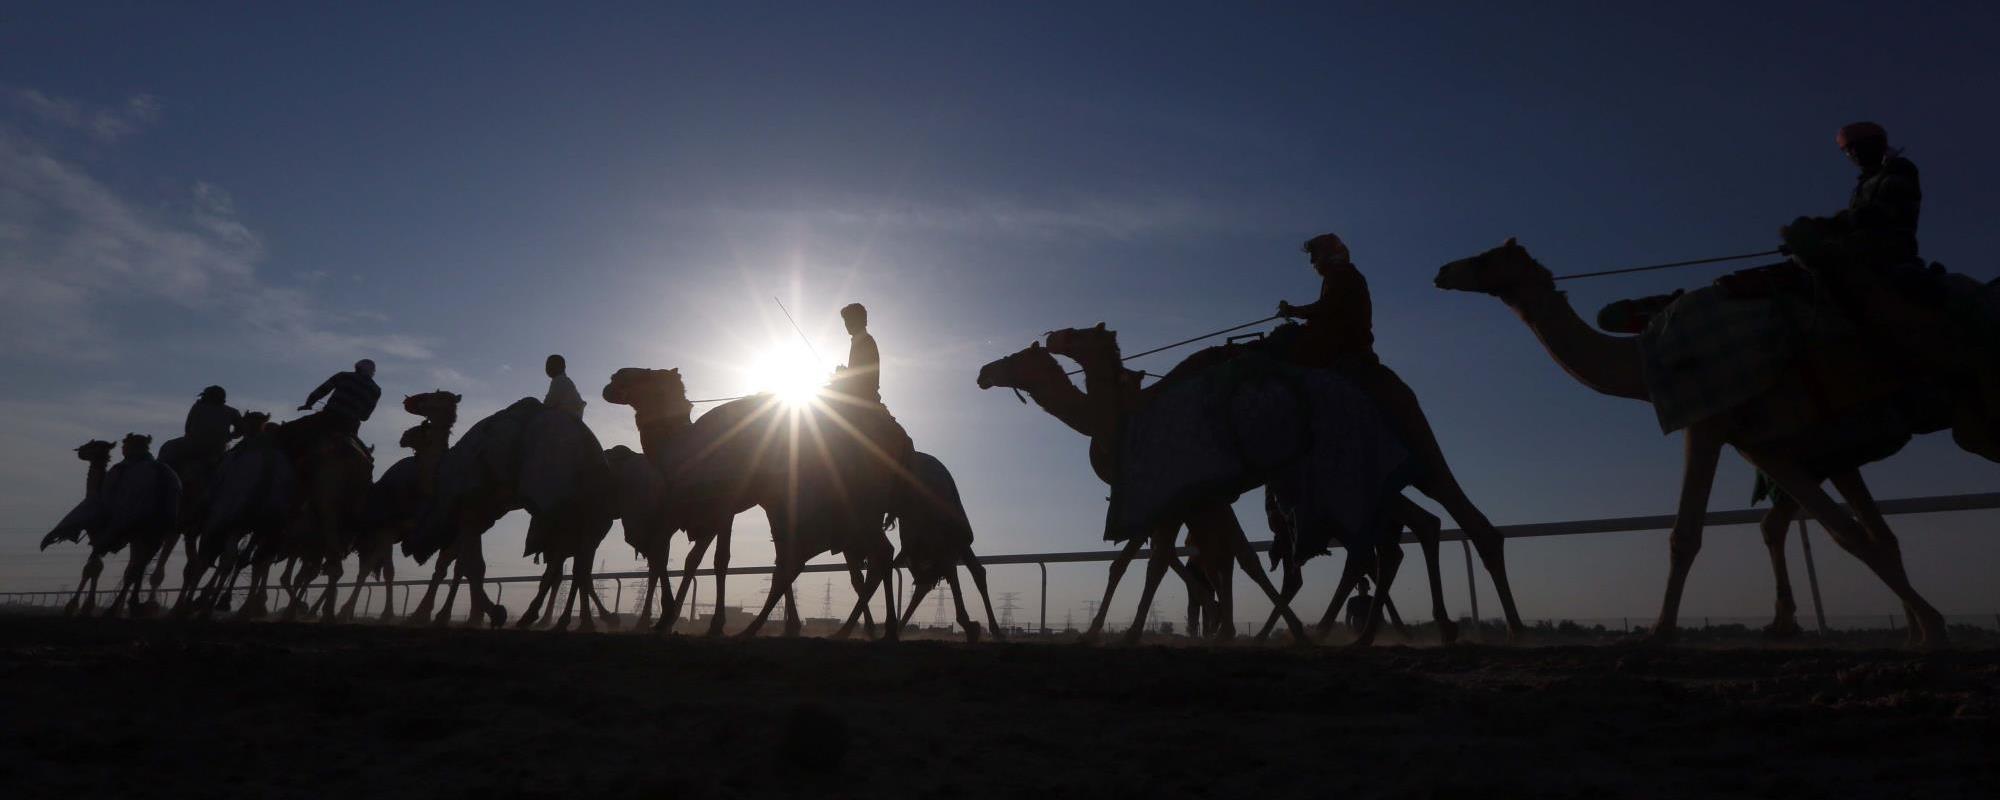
point(1447, 631)
point(1131, 637)
point(223, 604)
point(69, 610)
point(1783, 628)
point(562, 623)
point(715, 630)
point(972, 633)
point(846, 632)
point(441, 621)
point(586, 625)
point(610, 622)
point(793, 629)
point(665, 627)
point(418, 617)
point(496, 616)
point(525, 623)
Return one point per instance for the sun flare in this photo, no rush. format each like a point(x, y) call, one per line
point(789, 372)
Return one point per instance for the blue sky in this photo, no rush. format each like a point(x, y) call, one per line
point(257, 196)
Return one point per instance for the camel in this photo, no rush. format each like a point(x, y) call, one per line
point(1035, 371)
point(251, 501)
point(1096, 349)
point(1612, 365)
point(335, 472)
point(83, 524)
point(659, 405)
point(197, 475)
point(395, 500)
point(832, 493)
point(140, 507)
point(522, 457)
point(1212, 528)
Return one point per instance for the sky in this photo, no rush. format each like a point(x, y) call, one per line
point(257, 196)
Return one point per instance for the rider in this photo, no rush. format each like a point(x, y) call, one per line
point(1339, 335)
point(562, 394)
point(354, 396)
point(1881, 216)
point(861, 377)
point(211, 423)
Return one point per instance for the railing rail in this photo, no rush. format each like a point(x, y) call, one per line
point(1982, 501)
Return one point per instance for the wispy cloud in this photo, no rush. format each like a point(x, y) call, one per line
point(72, 246)
point(104, 124)
point(1113, 217)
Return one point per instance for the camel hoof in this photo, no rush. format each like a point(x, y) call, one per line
point(418, 617)
point(611, 622)
point(1785, 628)
point(70, 609)
point(498, 616)
point(1447, 631)
point(524, 623)
point(971, 632)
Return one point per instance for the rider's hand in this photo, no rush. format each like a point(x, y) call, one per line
point(306, 407)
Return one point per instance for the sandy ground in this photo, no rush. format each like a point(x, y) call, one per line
point(97, 708)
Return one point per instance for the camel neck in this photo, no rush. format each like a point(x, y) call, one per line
point(1068, 404)
point(1103, 380)
point(657, 427)
point(1608, 364)
point(93, 481)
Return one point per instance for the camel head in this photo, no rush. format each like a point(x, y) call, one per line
point(412, 437)
point(252, 423)
point(639, 387)
point(1501, 272)
point(1027, 369)
point(136, 445)
point(1087, 346)
point(95, 451)
point(437, 405)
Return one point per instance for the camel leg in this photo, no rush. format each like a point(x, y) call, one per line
point(715, 621)
point(1246, 559)
point(965, 622)
point(388, 570)
point(1884, 558)
point(1118, 566)
point(1293, 579)
point(159, 575)
point(92, 567)
point(793, 623)
point(1426, 526)
point(915, 599)
point(443, 618)
point(1870, 516)
point(544, 593)
point(1156, 568)
point(652, 580)
point(364, 568)
point(860, 610)
point(1775, 525)
point(687, 580)
point(191, 575)
point(884, 559)
point(1702, 446)
point(978, 571)
point(472, 565)
point(439, 571)
point(788, 571)
point(327, 601)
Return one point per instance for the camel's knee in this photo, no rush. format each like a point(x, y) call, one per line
point(1683, 545)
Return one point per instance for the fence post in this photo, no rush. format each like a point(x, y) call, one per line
point(618, 597)
point(1471, 586)
point(406, 600)
point(1812, 578)
point(1045, 596)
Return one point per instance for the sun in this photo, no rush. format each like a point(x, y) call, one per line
point(789, 372)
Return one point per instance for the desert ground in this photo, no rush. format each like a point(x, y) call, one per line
point(153, 708)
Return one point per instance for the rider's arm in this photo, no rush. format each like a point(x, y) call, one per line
point(323, 390)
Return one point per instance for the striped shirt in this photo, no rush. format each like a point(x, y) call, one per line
point(354, 395)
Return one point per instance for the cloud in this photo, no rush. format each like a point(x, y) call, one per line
point(72, 249)
point(1094, 217)
point(105, 124)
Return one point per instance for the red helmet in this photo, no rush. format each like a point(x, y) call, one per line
point(1857, 132)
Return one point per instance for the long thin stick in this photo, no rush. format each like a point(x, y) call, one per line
point(1190, 340)
point(1716, 260)
point(795, 326)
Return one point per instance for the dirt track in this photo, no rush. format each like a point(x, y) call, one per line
point(110, 708)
